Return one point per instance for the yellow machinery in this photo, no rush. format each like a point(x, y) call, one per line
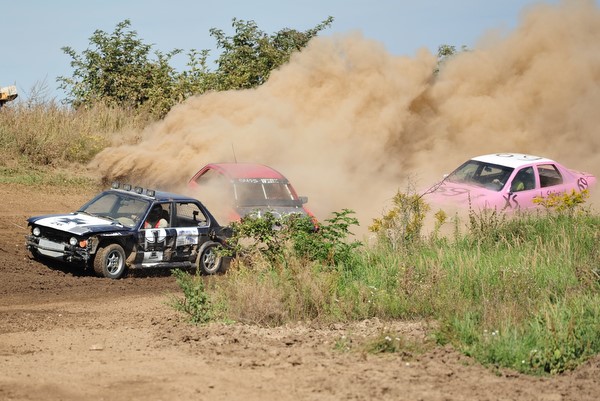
point(7, 93)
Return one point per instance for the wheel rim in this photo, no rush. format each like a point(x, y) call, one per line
point(114, 262)
point(209, 259)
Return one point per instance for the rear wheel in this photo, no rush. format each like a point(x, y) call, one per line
point(110, 261)
point(210, 261)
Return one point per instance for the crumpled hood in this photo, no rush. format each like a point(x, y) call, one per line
point(77, 223)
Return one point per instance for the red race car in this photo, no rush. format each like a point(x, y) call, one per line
point(236, 190)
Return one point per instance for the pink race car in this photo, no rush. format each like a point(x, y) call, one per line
point(506, 181)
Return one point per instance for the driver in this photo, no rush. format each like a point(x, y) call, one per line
point(155, 219)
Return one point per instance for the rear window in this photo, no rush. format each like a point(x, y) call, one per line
point(189, 215)
point(549, 175)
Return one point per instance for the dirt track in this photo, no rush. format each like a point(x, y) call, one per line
point(65, 335)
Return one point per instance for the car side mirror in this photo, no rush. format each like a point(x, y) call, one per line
point(303, 199)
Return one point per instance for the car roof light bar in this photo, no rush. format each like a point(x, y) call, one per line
point(138, 190)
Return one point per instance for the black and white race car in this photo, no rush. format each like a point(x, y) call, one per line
point(126, 227)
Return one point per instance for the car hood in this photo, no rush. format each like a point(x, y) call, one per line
point(77, 223)
point(461, 195)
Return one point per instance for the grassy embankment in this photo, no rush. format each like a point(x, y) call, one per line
point(45, 143)
point(520, 293)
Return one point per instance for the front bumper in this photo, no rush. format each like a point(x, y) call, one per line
point(57, 250)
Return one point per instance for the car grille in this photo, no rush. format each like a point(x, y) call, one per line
point(55, 235)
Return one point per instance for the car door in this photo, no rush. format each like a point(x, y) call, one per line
point(156, 241)
point(191, 226)
point(522, 189)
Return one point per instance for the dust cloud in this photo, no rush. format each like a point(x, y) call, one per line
point(350, 124)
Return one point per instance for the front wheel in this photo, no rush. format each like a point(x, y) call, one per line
point(210, 261)
point(110, 261)
point(34, 254)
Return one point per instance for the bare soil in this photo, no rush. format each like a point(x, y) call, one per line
point(67, 335)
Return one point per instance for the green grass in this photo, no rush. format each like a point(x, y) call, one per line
point(44, 176)
point(528, 300)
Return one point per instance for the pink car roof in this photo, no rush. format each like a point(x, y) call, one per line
point(244, 170)
point(513, 160)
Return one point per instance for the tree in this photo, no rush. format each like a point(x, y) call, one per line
point(118, 69)
point(250, 55)
point(445, 53)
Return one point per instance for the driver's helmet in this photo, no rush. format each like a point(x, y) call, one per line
point(155, 213)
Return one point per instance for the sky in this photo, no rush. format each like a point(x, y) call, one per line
point(34, 31)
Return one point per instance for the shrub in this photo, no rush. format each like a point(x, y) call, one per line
point(296, 236)
point(563, 202)
point(195, 303)
point(402, 224)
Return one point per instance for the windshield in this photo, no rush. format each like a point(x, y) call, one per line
point(263, 192)
point(481, 174)
point(117, 206)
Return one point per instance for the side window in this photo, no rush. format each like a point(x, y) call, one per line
point(523, 181)
point(189, 215)
point(158, 216)
point(549, 175)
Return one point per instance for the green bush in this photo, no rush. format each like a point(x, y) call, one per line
point(196, 302)
point(296, 236)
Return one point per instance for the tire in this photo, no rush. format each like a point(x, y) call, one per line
point(110, 261)
point(209, 261)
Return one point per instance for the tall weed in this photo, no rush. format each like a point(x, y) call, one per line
point(48, 134)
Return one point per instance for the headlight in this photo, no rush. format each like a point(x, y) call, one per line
point(36, 231)
point(73, 241)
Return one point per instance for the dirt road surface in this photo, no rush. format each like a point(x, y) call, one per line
point(66, 335)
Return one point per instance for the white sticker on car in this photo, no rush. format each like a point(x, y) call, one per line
point(152, 257)
point(155, 235)
point(186, 236)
